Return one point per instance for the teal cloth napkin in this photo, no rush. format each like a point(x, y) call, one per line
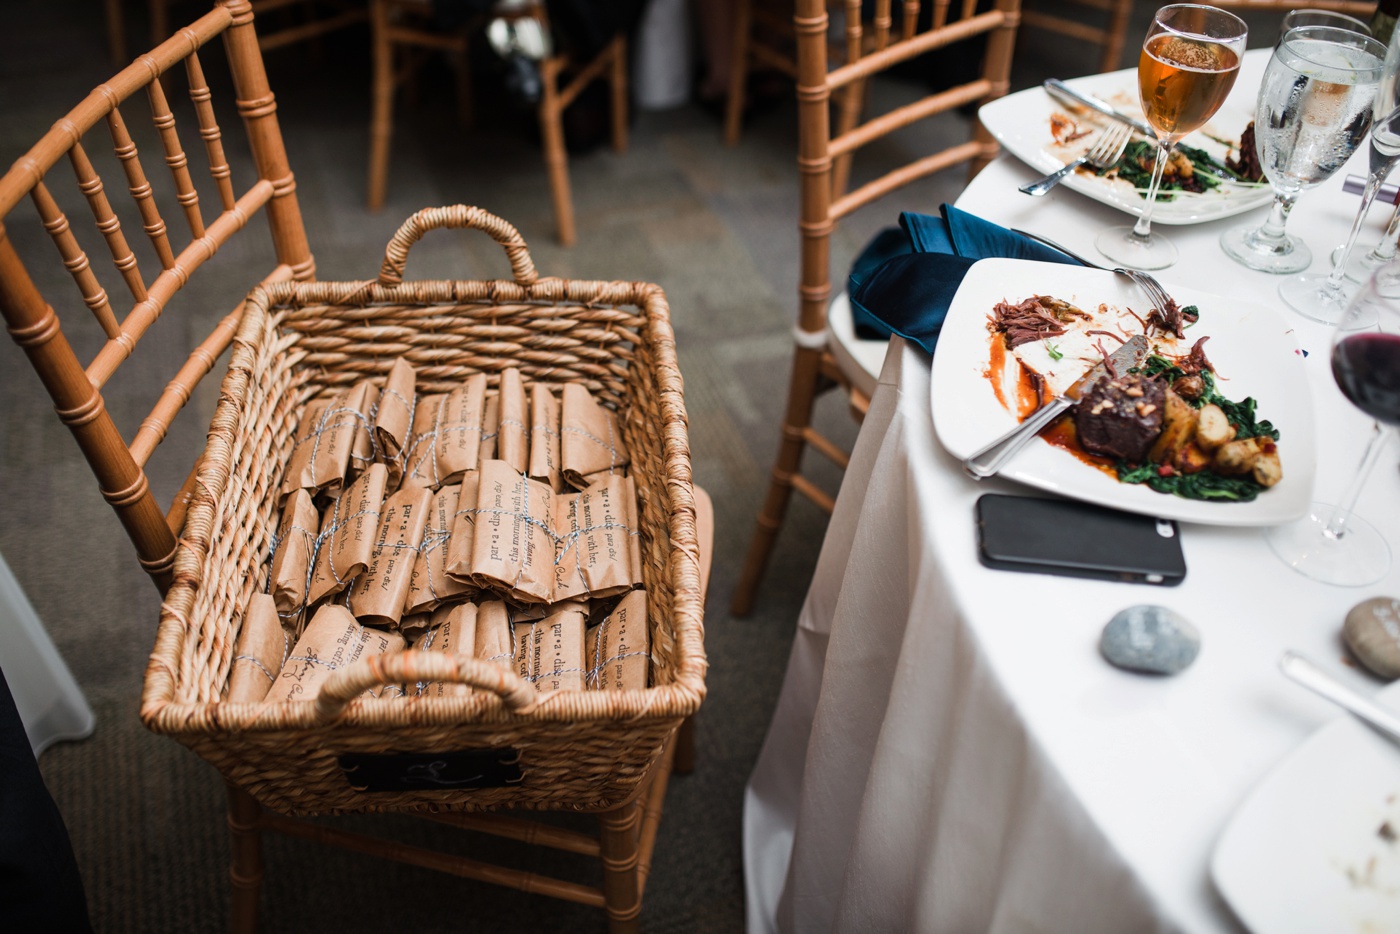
point(905, 278)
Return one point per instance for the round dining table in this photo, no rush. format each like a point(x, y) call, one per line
point(951, 753)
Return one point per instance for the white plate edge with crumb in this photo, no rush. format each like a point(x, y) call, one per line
point(1021, 123)
point(1308, 850)
point(1252, 347)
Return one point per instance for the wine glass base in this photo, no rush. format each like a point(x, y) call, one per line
point(1359, 268)
point(1242, 246)
point(1308, 295)
point(1358, 558)
point(1125, 248)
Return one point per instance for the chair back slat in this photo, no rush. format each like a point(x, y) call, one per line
point(56, 223)
point(32, 321)
point(209, 131)
point(855, 30)
point(107, 223)
point(140, 188)
point(175, 157)
point(940, 13)
point(882, 22)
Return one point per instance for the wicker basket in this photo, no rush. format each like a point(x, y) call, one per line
point(580, 750)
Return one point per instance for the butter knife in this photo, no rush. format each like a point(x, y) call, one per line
point(1063, 92)
point(1315, 679)
point(987, 461)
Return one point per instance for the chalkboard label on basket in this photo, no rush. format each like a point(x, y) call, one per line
point(413, 771)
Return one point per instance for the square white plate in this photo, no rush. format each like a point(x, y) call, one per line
point(1306, 851)
point(1021, 123)
point(1251, 346)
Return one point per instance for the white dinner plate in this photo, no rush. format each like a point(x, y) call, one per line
point(1251, 346)
point(1021, 123)
point(1307, 851)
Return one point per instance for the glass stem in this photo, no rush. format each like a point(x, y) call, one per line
point(1271, 234)
point(1385, 251)
point(1143, 228)
point(1333, 285)
point(1337, 525)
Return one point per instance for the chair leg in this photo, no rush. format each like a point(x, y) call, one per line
point(618, 79)
point(738, 72)
point(684, 761)
point(246, 871)
point(802, 391)
point(116, 31)
point(849, 106)
point(462, 61)
point(556, 158)
point(620, 845)
point(381, 124)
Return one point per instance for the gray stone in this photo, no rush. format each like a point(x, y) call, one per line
point(1372, 632)
point(1150, 638)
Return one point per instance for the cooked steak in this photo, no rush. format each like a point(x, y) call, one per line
point(1120, 417)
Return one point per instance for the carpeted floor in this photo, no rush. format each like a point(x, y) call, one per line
point(714, 226)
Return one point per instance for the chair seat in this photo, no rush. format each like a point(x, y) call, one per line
point(860, 359)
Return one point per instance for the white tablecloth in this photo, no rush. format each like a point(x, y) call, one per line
point(950, 753)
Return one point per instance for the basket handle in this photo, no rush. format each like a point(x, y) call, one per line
point(406, 667)
point(459, 216)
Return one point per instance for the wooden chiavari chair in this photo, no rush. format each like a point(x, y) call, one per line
point(626, 837)
point(814, 366)
point(1048, 15)
point(407, 25)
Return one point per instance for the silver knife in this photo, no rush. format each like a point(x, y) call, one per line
point(990, 459)
point(1315, 679)
point(1058, 89)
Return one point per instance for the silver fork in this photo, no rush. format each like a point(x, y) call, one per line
point(1145, 281)
point(1107, 150)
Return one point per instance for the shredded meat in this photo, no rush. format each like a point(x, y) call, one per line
point(1195, 361)
point(1171, 319)
point(1108, 366)
point(1247, 165)
point(1034, 319)
point(1118, 337)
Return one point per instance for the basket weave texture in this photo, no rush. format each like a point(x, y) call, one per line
point(580, 750)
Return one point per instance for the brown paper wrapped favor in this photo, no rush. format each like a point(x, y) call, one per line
point(618, 646)
point(430, 584)
point(559, 663)
point(458, 564)
point(420, 457)
point(529, 645)
point(513, 549)
point(262, 645)
point(325, 438)
point(363, 447)
point(394, 417)
point(589, 438)
point(490, 427)
point(413, 625)
point(332, 640)
point(544, 437)
point(378, 597)
point(453, 631)
point(347, 534)
point(595, 553)
point(459, 429)
point(295, 553)
point(493, 637)
point(513, 437)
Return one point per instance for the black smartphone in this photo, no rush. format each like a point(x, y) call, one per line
point(1073, 539)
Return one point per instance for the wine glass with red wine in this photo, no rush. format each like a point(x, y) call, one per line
point(1333, 544)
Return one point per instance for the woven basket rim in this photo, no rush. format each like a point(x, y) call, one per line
point(682, 697)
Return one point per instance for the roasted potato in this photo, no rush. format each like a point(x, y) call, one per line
point(1213, 428)
point(1239, 457)
point(1268, 469)
point(1192, 458)
point(1178, 429)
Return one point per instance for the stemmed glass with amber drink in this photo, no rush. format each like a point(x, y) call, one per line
point(1188, 65)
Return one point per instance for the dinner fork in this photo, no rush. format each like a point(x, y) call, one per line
point(1145, 281)
point(1107, 150)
